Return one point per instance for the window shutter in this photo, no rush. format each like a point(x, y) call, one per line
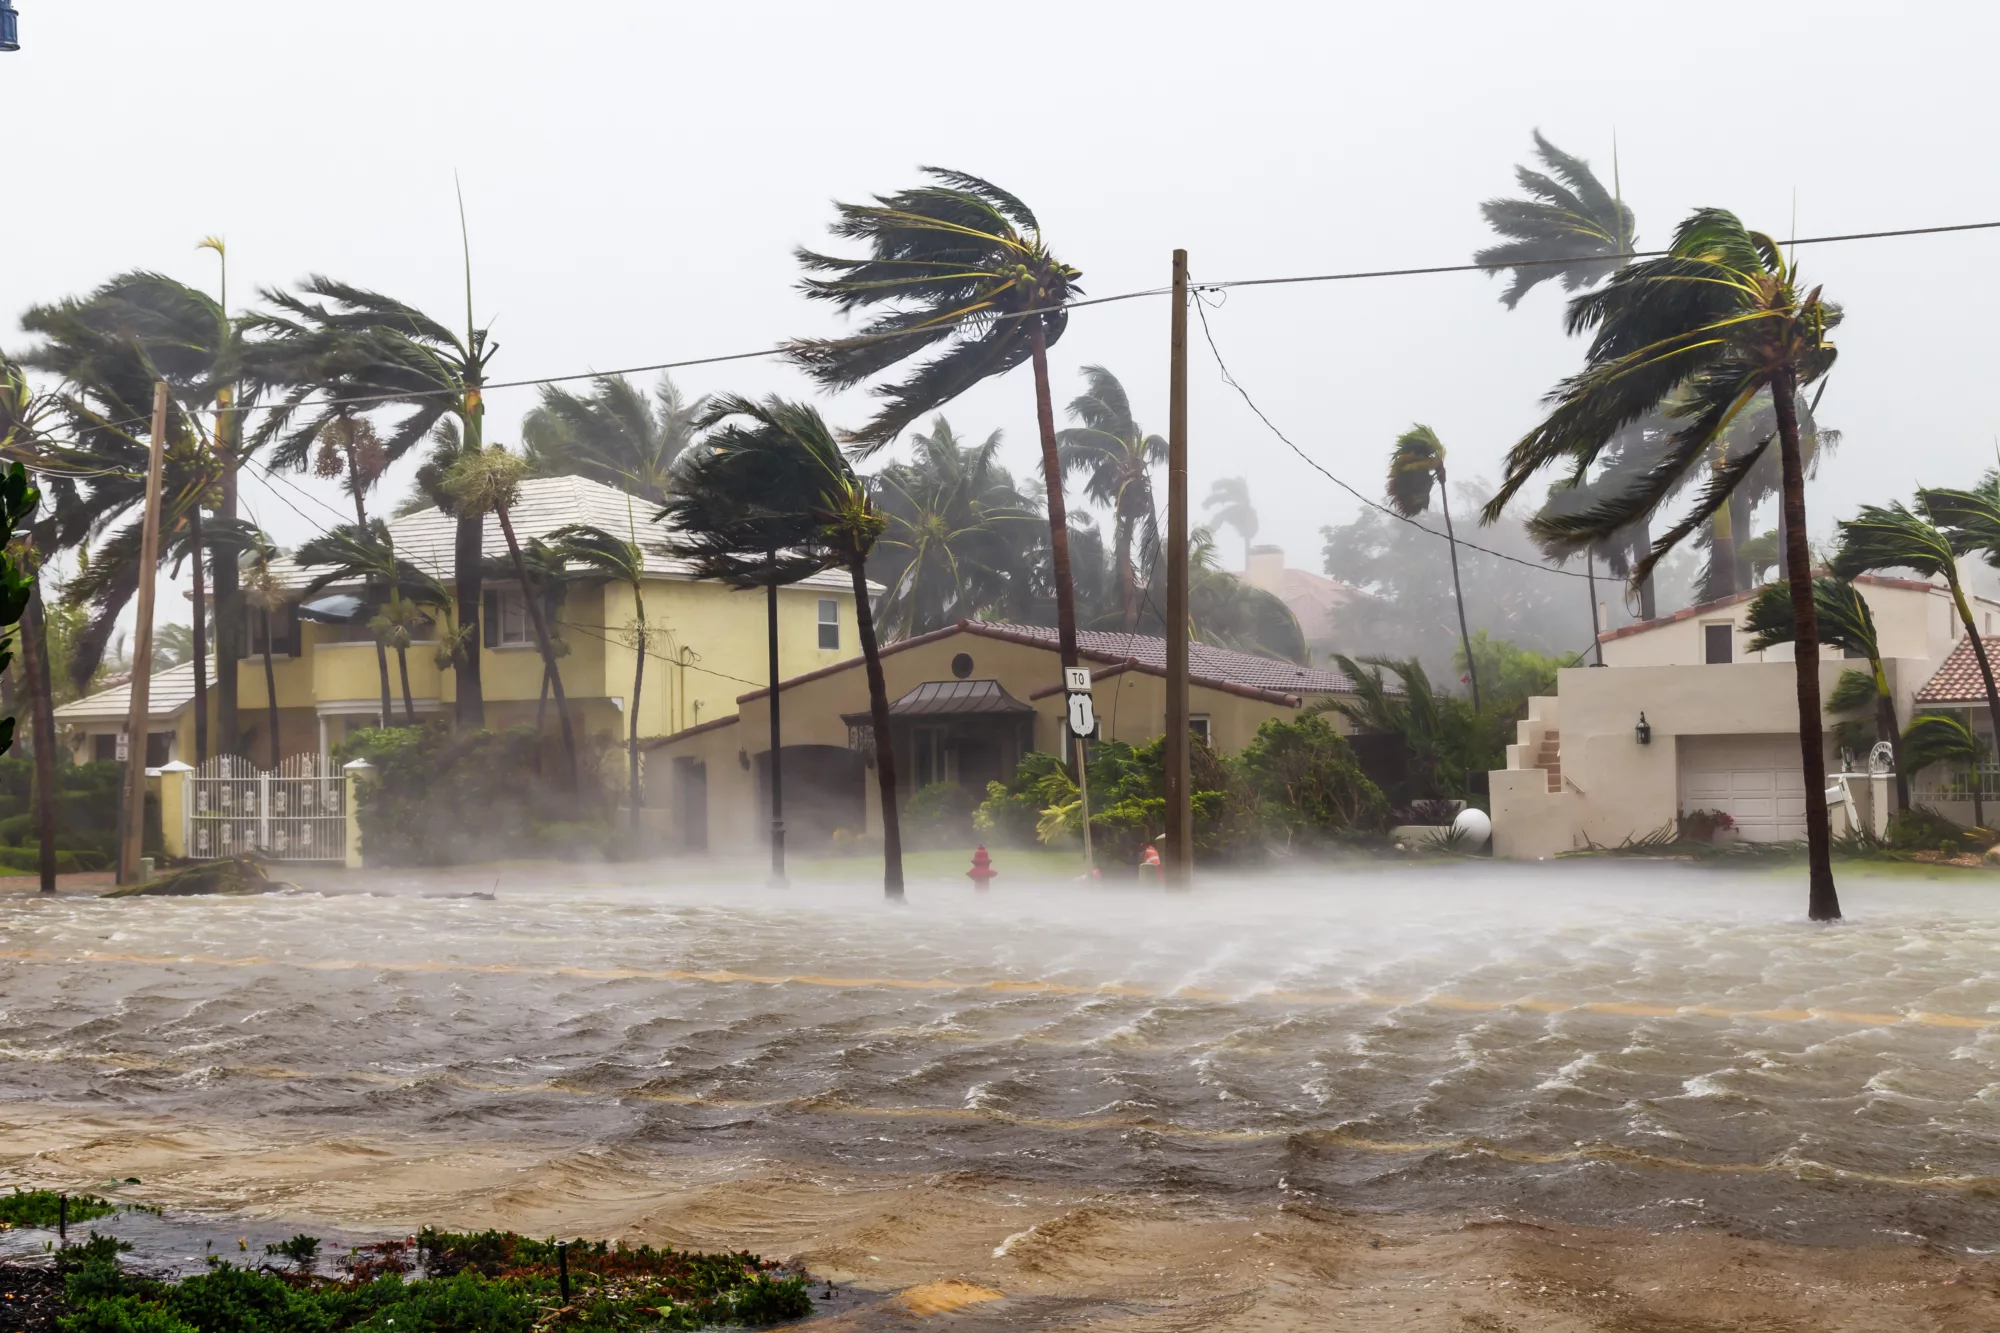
point(489, 620)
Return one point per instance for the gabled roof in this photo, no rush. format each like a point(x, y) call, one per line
point(427, 538)
point(1736, 598)
point(171, 691)
point(1957, 679)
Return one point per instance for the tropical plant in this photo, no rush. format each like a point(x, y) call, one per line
point(959, 537)
point(770, 496)
point(612, 434)
point(364, 552)
point(351, 449)
point(960, 263)
point(620, 560)
point(1228, 503)
point(395, 625)
point(265, 593)
point(1719, 319)
point(24, 438)
point(1308, 780)
point(1416, 472)
point(345, 343)
point(1846, 623)
point(1944, 738)
point(1895, 537)
point(1569, 228)
point(489, 481)
point(1117, 460)
point(1410, 709)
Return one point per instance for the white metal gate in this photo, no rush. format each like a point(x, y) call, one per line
point(297, 813)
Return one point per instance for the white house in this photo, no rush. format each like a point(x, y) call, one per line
point(1720, 723)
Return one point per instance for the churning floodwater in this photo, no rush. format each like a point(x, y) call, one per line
point(1636, 1045)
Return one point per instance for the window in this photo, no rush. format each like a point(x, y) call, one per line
point(928, 757)
point(506, 616)
point(829, 623)
point(284, 632)
point(1198, 728)
point(1718, 644)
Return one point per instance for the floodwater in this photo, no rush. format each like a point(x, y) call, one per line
point(1618, 1045)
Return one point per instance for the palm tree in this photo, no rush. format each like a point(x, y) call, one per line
point(1570, 227)
point(619, 559)
point(1229, 502)
point(1117, 460)
point(396, 625)
point(1893, 537)
point(489, 481)
point(1416, 470)
point(1941, 738)
point(959, 533)
point(612, 434)
point(1411, 710)
point(265, 593)
point(960, 263)
point(1717, 320)
point(359, 551)
point(343, 342)
point(739, 512)
point(1846, 623)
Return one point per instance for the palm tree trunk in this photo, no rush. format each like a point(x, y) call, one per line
point(466, 575)
point(878, 716)
point(1464, 637)
point(270, 691)
point(1744, 577)
point(1985, 667)
point(777, 748)
point(1045, 417)
point(200, 639)
point(1978, 806)
point(403, 668)
point(228, 596)
point(1128, 579)
point(1887, 730)
point(542, 702)
point(35, 663)
point(542, 640)
point(1822, 901)
point(382, 668)
point(633, 793)
point(1642, 541)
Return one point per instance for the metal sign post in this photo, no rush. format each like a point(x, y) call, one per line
point(1082, 722)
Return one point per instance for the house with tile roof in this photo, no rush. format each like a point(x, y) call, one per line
point(706, 645)
point(967, 702)
point(1721, 725)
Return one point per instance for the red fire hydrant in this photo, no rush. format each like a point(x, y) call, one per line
point(982, 868)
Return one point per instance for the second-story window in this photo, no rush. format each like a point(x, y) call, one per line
point(1718, 644)
point(506, 615)
point(829, 623)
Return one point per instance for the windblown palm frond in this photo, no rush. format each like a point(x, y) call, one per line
point(1569, 227)
point(613, 434)
point(1116, 459)
point(1416, 469)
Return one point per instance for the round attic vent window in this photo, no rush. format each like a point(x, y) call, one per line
point(961, 666)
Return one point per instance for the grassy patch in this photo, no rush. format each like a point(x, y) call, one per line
point(439, 1282)
point(43, 1208)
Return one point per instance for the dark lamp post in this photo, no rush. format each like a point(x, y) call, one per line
point(10, 27)
point(1644, 731)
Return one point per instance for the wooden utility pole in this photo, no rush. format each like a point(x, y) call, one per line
point(1180, 818)
point(133, 840)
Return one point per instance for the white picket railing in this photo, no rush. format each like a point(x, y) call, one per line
point(297, 812)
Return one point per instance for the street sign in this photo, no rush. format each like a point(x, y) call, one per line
point(1076, 680)
point(124, 746)
point(1082, 717)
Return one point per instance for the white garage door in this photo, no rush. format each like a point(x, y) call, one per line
point(1756, 780)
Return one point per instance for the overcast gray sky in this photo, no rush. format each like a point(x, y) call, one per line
point(636, 174)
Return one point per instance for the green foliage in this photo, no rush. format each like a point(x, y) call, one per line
point(1509, 675)
point(444, 797)
point(43, 1208)
point(1447, 741)
point(1922, 829)
point(937, 816)
point(228, 1299)
point(1009, 815)
point(1307, 780)
point(302, 1250)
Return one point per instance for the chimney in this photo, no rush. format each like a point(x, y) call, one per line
point(1267, 569)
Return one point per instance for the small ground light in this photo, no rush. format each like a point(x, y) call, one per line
point(10, 27)
point(1644, 731)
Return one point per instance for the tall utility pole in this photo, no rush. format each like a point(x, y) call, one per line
point(142, 655)
point(1180, 818)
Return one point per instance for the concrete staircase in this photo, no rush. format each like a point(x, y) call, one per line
point(1548, 758)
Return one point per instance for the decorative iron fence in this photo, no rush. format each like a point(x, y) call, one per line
point(1953, 782)
point(297, 812)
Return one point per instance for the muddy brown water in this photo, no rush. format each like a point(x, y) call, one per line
point(1615, 1046)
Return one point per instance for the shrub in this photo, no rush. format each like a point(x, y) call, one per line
point(1009, 815)
point(1308, 782)
point(939, 815)
point(1922, 829)
point(1703, 825)
point(43, 1208)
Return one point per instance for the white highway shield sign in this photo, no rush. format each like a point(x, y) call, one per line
point(1082, 717)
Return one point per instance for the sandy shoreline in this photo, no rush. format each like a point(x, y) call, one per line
point(1061, 1259)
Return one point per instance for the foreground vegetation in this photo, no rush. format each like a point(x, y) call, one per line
point(484, 1282)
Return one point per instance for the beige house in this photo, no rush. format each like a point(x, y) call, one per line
point(966, 703)
point(1720, 724)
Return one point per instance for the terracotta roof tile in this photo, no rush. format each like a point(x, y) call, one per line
point(1957, 679)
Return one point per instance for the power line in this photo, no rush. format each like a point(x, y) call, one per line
point(1201, 308)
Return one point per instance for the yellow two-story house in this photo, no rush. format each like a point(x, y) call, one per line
point(706, 645)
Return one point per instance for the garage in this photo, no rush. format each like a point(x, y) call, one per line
point(1755, 780)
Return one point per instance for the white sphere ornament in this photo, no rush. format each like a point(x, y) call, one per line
point(1473, 826)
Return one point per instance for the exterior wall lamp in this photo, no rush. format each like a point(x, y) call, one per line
point(10, 27)
point(1644, 731)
